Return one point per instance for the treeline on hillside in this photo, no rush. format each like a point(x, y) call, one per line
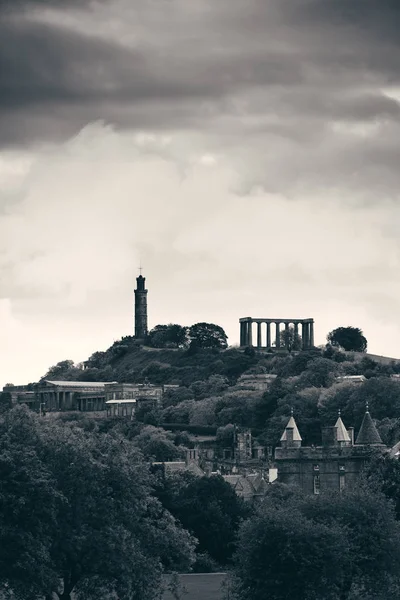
point(183, 355)
point(306, 383)
point(210, 396)
point(127, 362)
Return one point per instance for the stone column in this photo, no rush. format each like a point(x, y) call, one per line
point(249, 333)
point(277, 339)
point(286, 335)
point(312, 334)
point(268, 335)
point(258, 335)
point(304, 335)
point(242, 333)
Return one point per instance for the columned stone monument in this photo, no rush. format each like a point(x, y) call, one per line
point(246, 331)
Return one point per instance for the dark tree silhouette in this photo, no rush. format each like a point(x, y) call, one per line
point(348, 338)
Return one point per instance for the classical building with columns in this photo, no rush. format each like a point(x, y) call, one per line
point(96, 396)
point(303, 327)
point(59, 396)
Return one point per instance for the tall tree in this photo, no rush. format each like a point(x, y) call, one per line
point(209, 508)
point(109, 536)
point(336, 547)
point(207, 335)
point(168, 336)
point(64, 370)
point(290, 340)
point(28, 507)
point(348, 338)
point(290, 555)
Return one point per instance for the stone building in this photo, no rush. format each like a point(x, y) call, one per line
point(335, 464)
point(119, 399)
point(19, 394)
point(140, 308)
point(250, 487)
point(59, 396)
point(350, 379)
point(123, 399)
point(263, 338)
point(259, 382)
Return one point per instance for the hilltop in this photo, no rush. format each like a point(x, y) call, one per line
point(216, 387)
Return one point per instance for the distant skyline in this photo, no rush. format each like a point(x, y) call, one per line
point(246, 155)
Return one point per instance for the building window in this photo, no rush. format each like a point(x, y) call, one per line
point(317, 484)
point(342, 477)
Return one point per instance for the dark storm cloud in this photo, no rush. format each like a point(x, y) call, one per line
point(40, 64)
point(305, 61)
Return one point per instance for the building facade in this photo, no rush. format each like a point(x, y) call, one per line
point(333, 466)
point(60, 396)
point(118, 399)
point(123, 399)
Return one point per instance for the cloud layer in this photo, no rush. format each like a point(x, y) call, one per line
point(247, 153)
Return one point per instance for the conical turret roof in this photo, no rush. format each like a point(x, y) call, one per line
point(368, 433)
point(291, 425)
point(342, 435)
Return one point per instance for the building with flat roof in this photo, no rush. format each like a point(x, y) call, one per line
point(59, 396)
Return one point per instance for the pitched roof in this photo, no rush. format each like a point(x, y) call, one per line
point(291, 425)
point(368, 433)
point(395, 451)
point(342, 435)
point(79, 384)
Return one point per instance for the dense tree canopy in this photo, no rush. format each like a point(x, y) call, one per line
point(158, 445)
point(207, 507)
point(207, 335)
point(168, 336)
point(335, 547)
point(77, 514)
point(65, 369)
point(348, 338)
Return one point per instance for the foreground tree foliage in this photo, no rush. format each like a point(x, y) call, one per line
point(78, 514)
point(383, 473)
point(348, 338)
point(333, 547)
point(208, 508)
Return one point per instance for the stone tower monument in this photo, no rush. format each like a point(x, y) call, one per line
point(140, 308)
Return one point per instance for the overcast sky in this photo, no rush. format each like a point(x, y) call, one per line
point(246, 153)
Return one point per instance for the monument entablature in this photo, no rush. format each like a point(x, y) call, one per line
point(246, 331)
